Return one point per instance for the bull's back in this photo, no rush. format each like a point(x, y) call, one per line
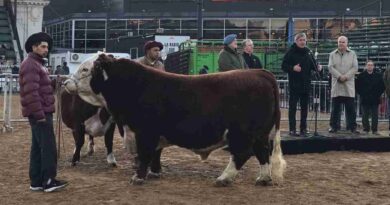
point(203, 108)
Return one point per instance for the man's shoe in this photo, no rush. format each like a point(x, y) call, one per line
point(54, 185)
point(331, 130)
point(293, 133)
point(354, 131)
point(304, 133)
point(36, 188)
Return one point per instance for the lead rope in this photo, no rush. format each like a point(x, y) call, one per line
point(59, 117)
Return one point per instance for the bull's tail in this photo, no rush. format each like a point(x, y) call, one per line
point(277, 162)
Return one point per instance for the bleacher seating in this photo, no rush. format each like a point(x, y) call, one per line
point(7, 51)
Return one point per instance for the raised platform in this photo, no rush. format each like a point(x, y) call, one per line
point(335, 142)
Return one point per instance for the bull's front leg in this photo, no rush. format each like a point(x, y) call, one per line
point(108, 141)
point(146, 148)
point(78, 136)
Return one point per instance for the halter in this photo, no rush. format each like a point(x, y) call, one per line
point(77, 80)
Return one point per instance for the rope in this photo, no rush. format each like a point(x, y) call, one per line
point(59, 117)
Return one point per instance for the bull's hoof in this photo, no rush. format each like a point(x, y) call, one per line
point(112, 165)
point(136, 181)
point(90, 153)
point(73, 162)
point(223, 182)
point(264, 182)
point(154, 175)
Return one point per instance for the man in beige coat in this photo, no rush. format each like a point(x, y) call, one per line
point(343, 66)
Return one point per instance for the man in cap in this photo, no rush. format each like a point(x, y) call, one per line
point(229, 58)
point(37, 100)
point(152, 55)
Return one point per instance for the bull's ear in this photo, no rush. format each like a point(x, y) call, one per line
point(97, 79)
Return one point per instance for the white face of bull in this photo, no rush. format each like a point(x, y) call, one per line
point(80, 83)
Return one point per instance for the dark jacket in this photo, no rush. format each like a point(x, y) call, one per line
point(299, 82)
point(370, 87)
point(252, 61)
point(230, 59)
point(36, 91)
point(66, 70)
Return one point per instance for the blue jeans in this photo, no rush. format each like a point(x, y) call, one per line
point(43, 155)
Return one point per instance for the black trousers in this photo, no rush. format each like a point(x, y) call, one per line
point(335, 116)
point(370, 110)
point(303, 99)
point(43, 155)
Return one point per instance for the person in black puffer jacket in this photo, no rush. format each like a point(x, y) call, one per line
point(298, 62)
point(370, 87)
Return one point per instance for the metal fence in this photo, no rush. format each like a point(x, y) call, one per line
point(11, 112)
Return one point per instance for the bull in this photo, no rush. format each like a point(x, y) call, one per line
point(238, 108)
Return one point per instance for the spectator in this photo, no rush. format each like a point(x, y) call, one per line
point(370, 87)
point(152, 55)
point(229, 58)
point(250, 59)
point(15, 69)
point(386, 80)
point(59, 70)
point(65, 68)
point(343, 66)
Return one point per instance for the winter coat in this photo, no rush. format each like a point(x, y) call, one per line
point(157, 64)
point(343, 64)
point(230, 59)
point(370, 87)
point(299, 82)
point(36, 91)
point(252, 61)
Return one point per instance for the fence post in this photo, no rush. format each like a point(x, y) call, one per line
point(7, 103)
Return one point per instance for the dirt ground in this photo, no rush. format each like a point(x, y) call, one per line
point(327, 178)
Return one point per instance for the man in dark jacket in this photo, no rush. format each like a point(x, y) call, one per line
point(250, 59)
point(65, 68)
point(229, 57)
point(370, 87)
point(37, 100)
point(299, 63)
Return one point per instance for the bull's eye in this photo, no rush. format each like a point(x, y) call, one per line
point(84, 70)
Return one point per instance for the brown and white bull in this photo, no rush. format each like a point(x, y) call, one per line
point(196, 112)
point(83, 118)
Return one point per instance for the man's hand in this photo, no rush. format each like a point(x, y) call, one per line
point(41, 120)
point(319, 68)
point(297, 68)
point(342, 79)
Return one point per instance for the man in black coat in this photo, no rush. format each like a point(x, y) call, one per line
point(298, 62)
point(370, 87)
point(250, 59)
